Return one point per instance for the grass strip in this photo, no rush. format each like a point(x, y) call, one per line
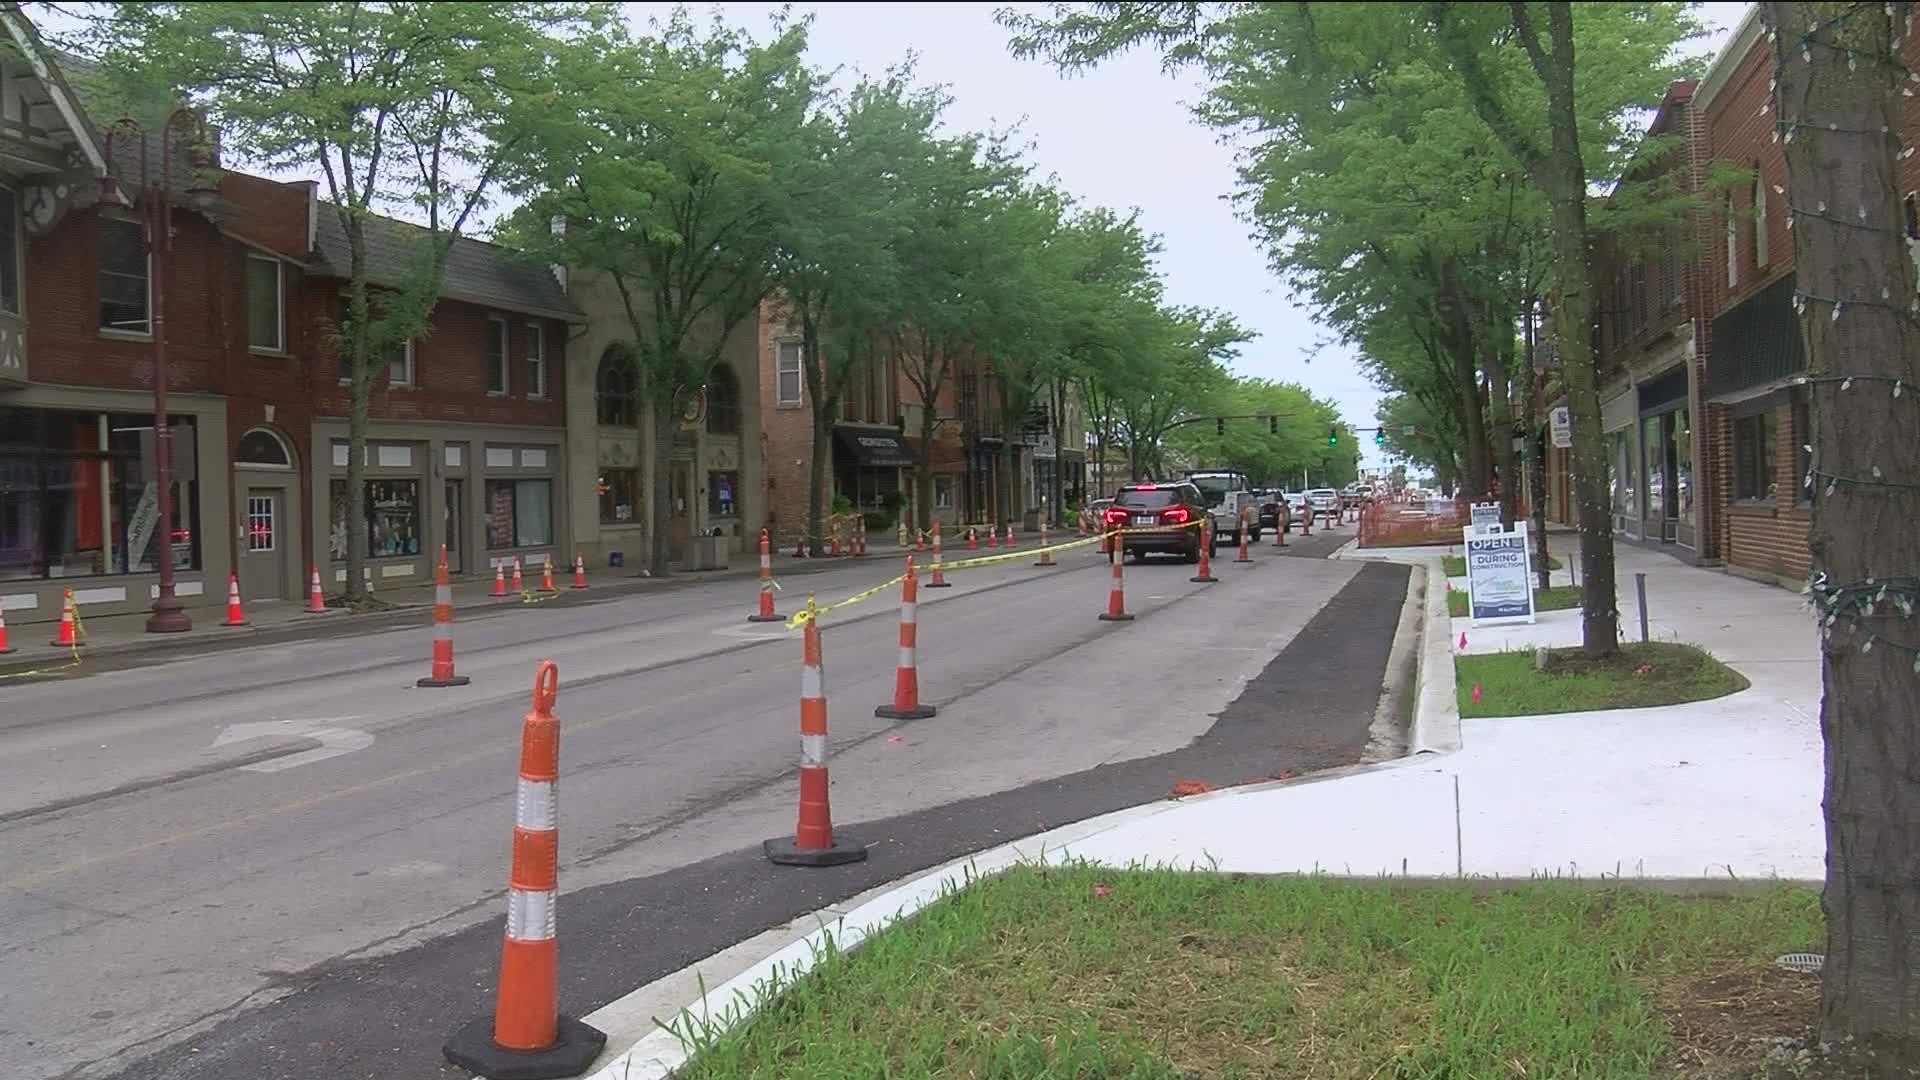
point(1057, 972)
point(1639, 675)
point(1558, 598)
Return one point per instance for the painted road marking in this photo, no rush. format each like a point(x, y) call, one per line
point(334, 741)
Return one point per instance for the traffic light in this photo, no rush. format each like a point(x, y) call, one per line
point(1273, 425)
point(1219, 425)
point(1333, 435)
point(1380, 437)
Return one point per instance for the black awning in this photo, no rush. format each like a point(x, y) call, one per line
point(875, 448)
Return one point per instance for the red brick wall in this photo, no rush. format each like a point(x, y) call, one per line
point(786, 436)
point(1772, 537)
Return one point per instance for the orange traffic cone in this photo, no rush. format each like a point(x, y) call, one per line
point(1306, 527)
point(519, 584)
point(860, 536)
point(442, 630)
point(920, 541)
point(812, 842)
point(527, 1036)
point(1205, 576)
point(833, 537)
point(1009, 536)
point(4, 647)
point(546, 574)
point(972, 540)
point(499, 582)
point(316, 599)
point(1117, 596)
point(1046, 557)
point(579, 571)
point(993, 536)
point(1280, 526)
point(235, 617)
point(67, 637)
point(765, 614)
point(939, 580)
point(906, 674)
point(1244, 556)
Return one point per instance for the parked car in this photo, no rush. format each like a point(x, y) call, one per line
point(1297, 507)
point(1173, 518)
point(1097, 510)
point(1324, 500)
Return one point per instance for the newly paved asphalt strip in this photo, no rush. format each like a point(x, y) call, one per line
point(385, 1018)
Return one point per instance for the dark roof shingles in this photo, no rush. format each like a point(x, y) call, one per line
point(477, 272)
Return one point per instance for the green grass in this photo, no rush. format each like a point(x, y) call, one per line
point(1456, 565)
point(1639, 675)
point(1081, 972)
point(1558, 598)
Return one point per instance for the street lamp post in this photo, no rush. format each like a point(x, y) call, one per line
point(169, 616)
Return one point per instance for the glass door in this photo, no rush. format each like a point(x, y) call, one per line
point(451, 531)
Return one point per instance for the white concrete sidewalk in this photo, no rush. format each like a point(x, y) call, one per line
point(1713, 788)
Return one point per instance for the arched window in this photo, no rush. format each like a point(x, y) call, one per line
point(263, 449)
point(723, 402)
point(616, 387)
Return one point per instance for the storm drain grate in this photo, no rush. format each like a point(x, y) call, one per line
point(1803, 962)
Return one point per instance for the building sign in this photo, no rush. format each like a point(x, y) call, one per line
point(1562, 428)
point(1498, 586)
point(1484, 514)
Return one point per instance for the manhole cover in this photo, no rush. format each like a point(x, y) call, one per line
point(1804, 963)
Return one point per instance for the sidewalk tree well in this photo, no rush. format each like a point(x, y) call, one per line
point(845, 220)
point(657, 163)
point(400, 107)
point(1841, 86)
point(1398, 157)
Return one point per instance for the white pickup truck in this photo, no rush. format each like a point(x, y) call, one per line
point(1227, 494)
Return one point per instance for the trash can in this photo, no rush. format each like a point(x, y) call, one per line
point(1030, 521)
point(710, 552)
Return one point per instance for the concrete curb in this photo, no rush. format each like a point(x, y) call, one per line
point(1436, 709)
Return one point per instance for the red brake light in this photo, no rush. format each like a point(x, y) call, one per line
point(1116, 516)
point(1146, 487)
point(1176, 516)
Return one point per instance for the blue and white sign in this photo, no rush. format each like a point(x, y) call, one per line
point(1499, 588)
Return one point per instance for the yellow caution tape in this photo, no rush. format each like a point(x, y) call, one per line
point(79, 635)
point(799, 619)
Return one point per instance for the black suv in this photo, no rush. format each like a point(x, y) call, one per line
point(1170, 519)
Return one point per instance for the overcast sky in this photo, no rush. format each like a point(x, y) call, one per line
point(1122, 136)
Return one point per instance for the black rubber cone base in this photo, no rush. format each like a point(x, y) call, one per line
point(457, 680)
point(766, 618)
point(784, 852)
point(573, 1050)
point(1122, 617)
point(1203, 579)
point(938, 585)
point(918, 712)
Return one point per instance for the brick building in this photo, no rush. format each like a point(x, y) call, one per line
point(876, 445)
point(1703, 392)
point(466, 443)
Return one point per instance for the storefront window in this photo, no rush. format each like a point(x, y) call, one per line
point(519, 513)
point(78, 497)
point(723, 488)
point(1620, 455)
point(393, 519)
point(1683, 460)
point(619, 491)
point(1653, 463)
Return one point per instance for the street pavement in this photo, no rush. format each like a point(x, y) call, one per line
point(286, 861)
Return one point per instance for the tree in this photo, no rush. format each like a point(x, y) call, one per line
point(1323, 87)
point(1183, 374)
point(837, 262)
point(662, 160)
point(1840, 98)
point(399, 106)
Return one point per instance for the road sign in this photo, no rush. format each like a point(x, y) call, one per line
point(1562, 428)
point(334, 741)
point(1499, 589)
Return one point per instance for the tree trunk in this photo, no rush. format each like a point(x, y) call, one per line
point(1009, 481)
point(923, 465)
point(660, 514)
point(1500, 420)
point(1458, 341)
point(1863, 432)
point(821, 401)
point(1537, 465)
point(1057, 518)
point(359, 393)
point(1565, 182)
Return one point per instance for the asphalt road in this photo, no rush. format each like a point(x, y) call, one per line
point(318, 893)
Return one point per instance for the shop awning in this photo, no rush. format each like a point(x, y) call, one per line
point(875, 449)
